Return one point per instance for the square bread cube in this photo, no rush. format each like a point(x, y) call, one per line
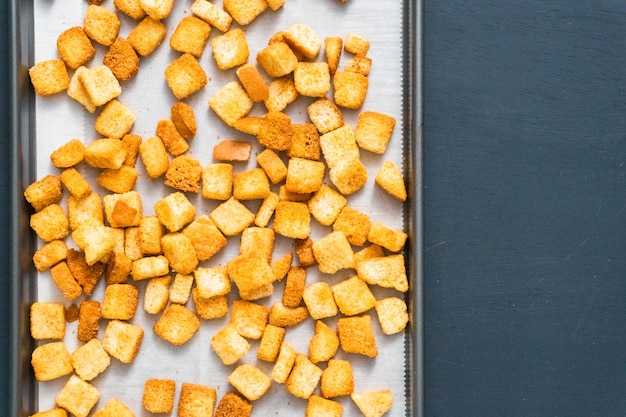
point(158, 395)
point(350, 89)
point(273, 165)
point(120, 302)
point(339, 145)
point(337, 379)
point(75, 48)
point(266, 210)
point(177, 324)
point(326, 204)
point(231, 102)
point(49, 77)
point(196, 400)
point(276, 4)
point(184, 174)
point(123, 210)
point(244, 11)
point(157, 295)
point(258, 241)
point(303, 39)
point(276, 131)
point(392, 314)
point(99, 84)
point(284, 362)
point(150, 232)
point(114, 408)
point(356, 335)
point(356, 44)
point(304, 377)
point(76, 90)
point(250, 381)
point(249, 273)
point(95, 239)
point(69, 154)
point(184, 120)
point(90, 360)
point(101, 24)
point(131, 8)
point(324, 344)
point(44, 192)
point(122, 340)
point(232, 217)
point(230, 49)
point(190, 36)
point(115, 120)
point(233, 405)
point(325, 115)
point(122, 59)
point(387, 271)
point(333, 253)
point(304, 251)
point(252, 184)
point(154, 157)
point(157, 9)
point(147, 35)
point(387, 237)
point(185, 76)
point(271, 342)
point(349, 176)
point(105, 153)
point(280, 93)
point(210, 308)
point(332, 47)
point(253, 82)
point(292, 219)
point(120, 180)
point(374, 130)
point(49, 255)
point(304, 175)
point(353, 296)
point(319, 300)
point(175, 211)
point(229, 345)
point(232, 150)
point(373, 403)
point(277, 59)
point(212, 281)
point(312, 79)
point(249, 125)
point(51, 361)
point(75, 183)
point(283, 316)
point(318, 406)
point(294, 286)
point(305, 143)
point(89, 313)
point(181, 288)
point(212, 14)
point(150, 267)
point(132, 243)
point(77, 397)
point(118, 268)
point(368, 252)
point(86, 275)
point(360, 64)
point(354, 224)
point(65, 282)
point(206, 238)
point(390, 178)
point(180, 253)
point(249, 318)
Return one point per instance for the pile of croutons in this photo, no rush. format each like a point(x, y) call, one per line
point(305, 173)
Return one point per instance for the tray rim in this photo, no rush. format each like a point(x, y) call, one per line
point(22, 390)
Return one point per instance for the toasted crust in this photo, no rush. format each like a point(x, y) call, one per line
point(281, 92)
point(131, 8)
point(75, 183)
point(157, 9)
point(266, 209)
point(232, 405)
point(333, 253)
point(231, 103)
point(232, 217)
point(283, 316)
point(319, 300)
point(50, 223)
point(305, 143)
point(250, 381)
point(206, 238)
point(122, 59)
point(353, 296)
point(154, 157)
point(229, 345)
point(44, 192)
point(184, 174)
point(312, 79)
point(304, 251)
point(277, 59)
point(304, 175)
point(47, 320)
point(90, 360)
point(324, 343)
point(232, 151)
point(86, 275)
point(244, 11)
point(196, 400)
point(304, 377)
point(332, 47)
point(373, 403)
point(356, 44)
point(356, 335)
point(350, 89)
point(89, 314)
point(114, 408)
point(251, 185)
point(253, 82)
point(179, 251)
point(354, 224)
point(390, 179)
point(175, 211)
point(276, 131)
point(322, 406)
point(68, 154)
point(184, 120)
point(158, 395)
point(249, 273)
point(49, 255)
point(65, 282)
point(271, 342)
point(177, 324)
point(325, 115)
point(120, 301)
point(212, 14)
point(292, 219)
point(210, 308)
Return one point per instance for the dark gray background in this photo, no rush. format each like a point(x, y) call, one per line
point(525, 208)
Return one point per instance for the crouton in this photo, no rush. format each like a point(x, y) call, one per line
point(292, 219)
point(387, 237)
point(369, 252)
point(250, 381)
point(332, 47)
point(75, 183)
point(150, 267)
point(90, 360)
point(273, 166)
point(266, 209)
point(230, 103)
point(271, 342)
point(196, 400)
point(131, 144)
point(258, 241)
point(326, 204)
point(55, 412)
point(354, 224)
point(154, 157)
point(131, 8)
point(157, 295)
point(249, 125)
point(77, 397)
point(49, 77)
point(276, 131)
point(177, 324)
point(356, 335)
point(294, 287)
point(374, 130)
point(50, 223)
point(349, 176)
point(75, 48)
point(86, 275)
point(120, 301)
point(95, 239)
point(122, 340)
point(174, 142)
point(190, 36)
point(132, 243)
point(47, 320)
point(123, 210)
point(212, 14)
point(158, 395)
point(122, 59)
point(390, 179)
point(69, 154)
point(337, 379)
point(105, 153)
point(249, 318)
point(284, 362)
point(249, 273)
point(232, 405)
point(283, 316)
point(120, 180)
point(76, 90)
point(118, 268)
point(230, 49)
point(281, 92)
point(359, 64)
point(356, 44)
point(353, 296)
point(312, 79)
point(181, 288)
point(392, 315)
point(185, 76)
point(231, 217)
point(206, 238)
point(184, 120)
point(253, 82)
point(304, 377)
point(304, 251)
point(305, 143)
point(101, 24)
point(318, 406)
point(303, 39)
point(277, 59)
point(232, 151)
point(373, 403)
point(325, 115)
point(86, 209)
point(157, 9)
point(89, 314)
point(350, 89)
point(304, 175)
point(251, 185)
point(51, 361)
point(175, 211)
point(184, 174)
point(229, 345)
point(147, 35)
point(324, 343)
point(333, 253)
point(244, 11)
point(44, 192)
point(212, 281)
point(319, 300)
point(210, 308)
point(150, 231)
point(275, 4)
point(339, 145)
point(114, 408)
point(49, 255)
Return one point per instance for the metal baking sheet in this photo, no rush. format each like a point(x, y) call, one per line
point(41, 124)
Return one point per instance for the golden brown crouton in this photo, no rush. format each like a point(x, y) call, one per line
point(190, 36)
point(131, 8)
point(337, 379)
point(68, 154)
point(184, 120)
point(294, 287)
point(251, 185)
point(212, 14)
point(232, 405)
point(118, 268)
point(373, 403)
point(232, 217)
point(147, 36)
point(312, 79)
point(356, 335)
point(157, 294)
point(50, 223)
point(95, 239)
point(86, 275)
point(271, 342)
point(392, 315)
point(99, 84)
point(253, 82)
point(304, 377)
point(232, 151)
point(205, 237)
point(75, 183)
point(105, 153)
point(277, 59)
point(230, 103)
point(101, 24)
point(114, 408)
point(333, 252)
point(210, 308)
point(179, 251)
point(249, 273)
point(324, 343)
point(158, 395)
point(339, 145)
point(275, 4)
point(185, 76)
point(177, 324)
point(284, 362)
point(44, 192)
point(77, 397)
point(157, 9)
point(304, 175)
point(332, 47)
point(281, 92)
point(175, 211)
point(249, 125)
point(49, 255)
point(305, 143)
point(326, 204)
point(325, 115)
point(184, 174)
point(132, 243)
point(90, 360)
point(123, 210)
point(354, 224)
point(273, 166)
point(76, 90)
point(250, 381)
point(304, 251)
point(387, 237)
point(348, 176)
point(249, 318)
point(374, 130)
point(318, 406)
point(51, 361)
point(244, 11)
point(360, 64)
point(319, 300)
point(196, 400)
point(390, 179)
point(258, 241)
point(283, 316)
point(122, 59)
point(55, 412)
point(47, 320)
point(181, 288)
point(49, 77)
point(303, 39)
point(75, 47)
point(276, 131)
point(230, 49)
point(120, 180)
point(229, 345)
point(120, 301)
point(211, 282)
point(154, 157)
point(350, 89)
point(150, 267)
point(64, 280)
point(353, 296)
point(292, 219)
point(356, 44)
point(150, 232)
point(122, 340)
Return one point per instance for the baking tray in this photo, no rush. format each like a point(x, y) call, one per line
point(39, 125)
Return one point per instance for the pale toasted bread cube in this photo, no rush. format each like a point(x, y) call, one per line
point(249, 125)
point(105, 153)
point(154, 157)
point(337, 379)
point(89, 314)
point(120, 301)
point(273, 166)
point(115, 120)
point(292, 219)
point(190, 36)
point(132, 243)
point(250, 381)
point(258, 241)
point(118, 268)
point(387, 237)
point(47, 320)
point(157, 9)
point(175, 211)
point(147, 36)
point(304, 175)
point(281, 92)
point(244, 11)
point(181, 288)
point(184, 174)
point(312, 79)
point(326, 204)
point(184, 120)
point(101, 24)
point(75, 47)
point(131, 8)
point(249, 318)
point(158, 395)
point(232, 151)
point(284, 362)
point(349, 176)
point(150, 267)
point(350, 89)
point(392, 315)
point(232, 405)
point(229, 345)
point(283, 316)
point(374, 130)
point(232, 217)
point(69, 154)
point(51, 361)
point(77, 397)
point(333, 253)
point(90, 360)
point(44, 192)
point(230, 49)
point(356, 335)
point(206, 238)
point(333, 46)
point(319, 300)
point(356, 44)
point(339, 145)
point(249, 273)
point(122, 340)
point(359, 64)
point(353, 296)
point(277, 59)
point(271, 342)
point(373, 403)
point(157, 295)
point(211, 282)
point(210, 308)
point(231, 103)
point(251, 185)
point(76, 90)
point(120, 180)
point(86, 209)
point(304, 251)
point(266, 210)
point(49, 77)
point(114, 408)
point(325, 115)
point(276, 131)
point(253, 82)
point(212, 14)
point(99, 84)
point(324, 343)
point(390, 179)
point(294, 287)
point(185, 76)
point(177, 324)
point(123, 210)
point(122, 59)
point(49, 255)
point(303, 39)
point(354, 224)
point(318, 406)
point(304, 377)
point(86, 275)
point(55, 412)
point(95, 239)
point(150, 232)
point(75, 183)
point(196, 400)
